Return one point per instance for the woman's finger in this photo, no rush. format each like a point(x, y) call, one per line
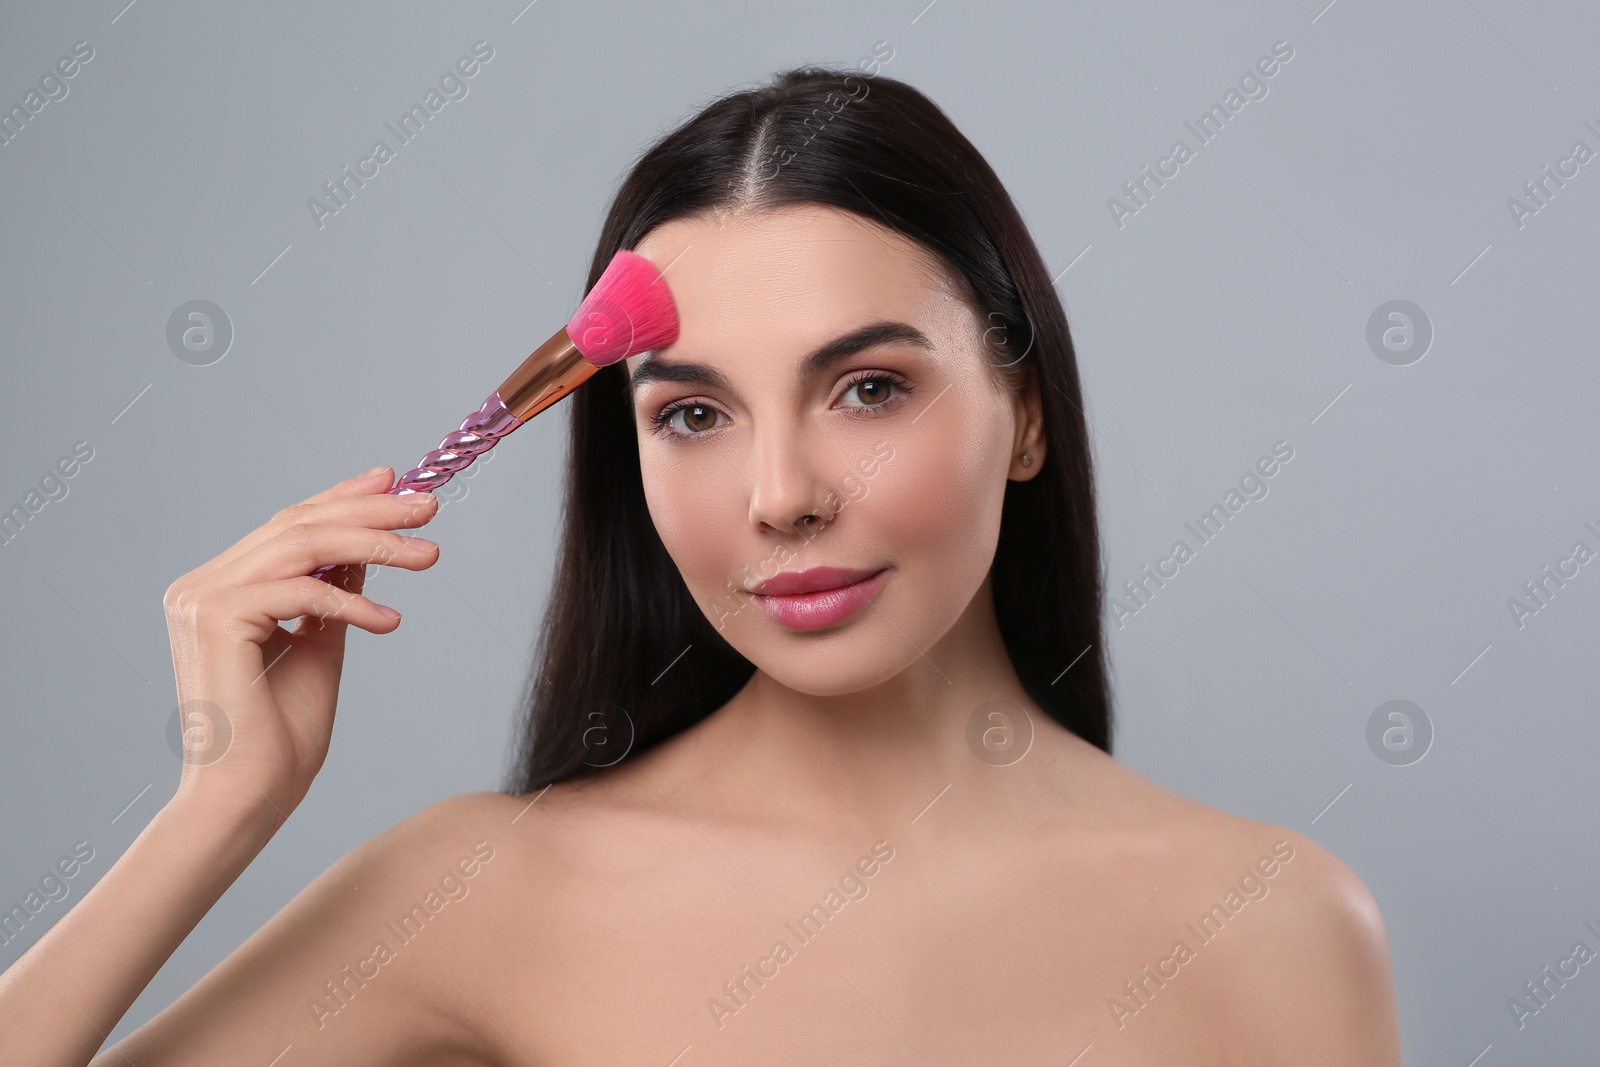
point(262, 606)
point(371, 507)
point(303, 547)
point(355, 486)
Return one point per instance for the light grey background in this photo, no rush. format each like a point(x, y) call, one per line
point(1228, 314)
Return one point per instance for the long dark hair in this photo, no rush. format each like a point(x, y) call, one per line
point(626, 658)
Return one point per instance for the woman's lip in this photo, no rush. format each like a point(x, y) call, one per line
point(811, 580)
point(827, 607)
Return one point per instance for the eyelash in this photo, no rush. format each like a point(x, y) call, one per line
point(660, 420)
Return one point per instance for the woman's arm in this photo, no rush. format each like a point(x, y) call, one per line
point(268, 696)
point(1314, 975)
point(62, 997)
point(272, 994)
point(309, 981)
point(308, 986)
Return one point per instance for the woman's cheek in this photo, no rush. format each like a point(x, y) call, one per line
point(930, 501)
point(936, 503)
point(691, 511)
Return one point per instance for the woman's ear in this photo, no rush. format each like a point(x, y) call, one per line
point(1028, 445)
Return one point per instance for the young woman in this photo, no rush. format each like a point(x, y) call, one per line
point(816, 766)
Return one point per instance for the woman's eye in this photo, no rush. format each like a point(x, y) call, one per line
point(874, 390)
point(692, 418)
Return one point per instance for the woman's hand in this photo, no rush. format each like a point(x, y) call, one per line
point(257, 705)
point(256, 700)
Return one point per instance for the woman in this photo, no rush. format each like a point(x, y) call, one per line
point(879, 824)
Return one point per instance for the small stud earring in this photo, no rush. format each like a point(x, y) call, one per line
point(1027, 459)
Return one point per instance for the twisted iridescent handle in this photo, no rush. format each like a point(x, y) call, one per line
point(480, 432)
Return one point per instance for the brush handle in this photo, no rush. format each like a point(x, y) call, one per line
point(480, 432)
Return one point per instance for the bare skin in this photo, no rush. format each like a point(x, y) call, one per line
point(962, 911)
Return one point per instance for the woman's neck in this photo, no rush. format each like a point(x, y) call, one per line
point(869, 757)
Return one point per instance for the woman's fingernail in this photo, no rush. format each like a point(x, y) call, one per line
point(374, 470)
point(420, 542)
point(388, 612)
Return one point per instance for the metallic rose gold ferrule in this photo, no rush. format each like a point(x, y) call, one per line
point(555, 369)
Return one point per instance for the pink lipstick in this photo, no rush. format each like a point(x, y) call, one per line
point(818, 596)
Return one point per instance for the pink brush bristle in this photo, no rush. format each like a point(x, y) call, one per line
point(628, 311)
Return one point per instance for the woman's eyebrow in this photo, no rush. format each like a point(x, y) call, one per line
point(654, 369)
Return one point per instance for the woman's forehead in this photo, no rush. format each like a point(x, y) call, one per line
point(789, 275)
point(810, 246)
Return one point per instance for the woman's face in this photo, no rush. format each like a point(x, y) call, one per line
point(899, 449)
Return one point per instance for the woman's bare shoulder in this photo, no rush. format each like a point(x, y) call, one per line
point(531, 837)
point(1301, 952)
point(1190, 832)
point(349, 969)
point(532, 832)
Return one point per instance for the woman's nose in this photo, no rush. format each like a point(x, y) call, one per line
point(784, 487)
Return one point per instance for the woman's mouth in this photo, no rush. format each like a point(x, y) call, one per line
point(818, 596)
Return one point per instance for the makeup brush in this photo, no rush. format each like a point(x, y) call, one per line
point(628, 311)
